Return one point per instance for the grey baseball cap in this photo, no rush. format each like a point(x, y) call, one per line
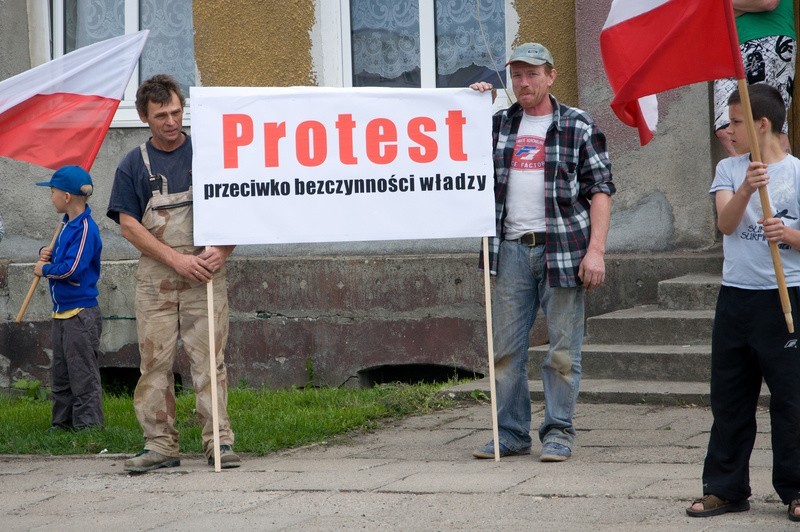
point(532, 53)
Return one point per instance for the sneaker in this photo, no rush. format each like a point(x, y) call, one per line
point(554, 452)
point(57, 428)
point(147, 460)
point(227, 458)
point(487, 451)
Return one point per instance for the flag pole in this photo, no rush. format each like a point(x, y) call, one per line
point(766, 208)
point(489, 334)
point(36, 278)
point(212, 370)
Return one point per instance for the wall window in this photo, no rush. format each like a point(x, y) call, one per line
point(169, 48)
point(423, 43)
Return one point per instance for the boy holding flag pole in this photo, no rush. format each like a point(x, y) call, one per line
point(748, 341)
point(643, 55)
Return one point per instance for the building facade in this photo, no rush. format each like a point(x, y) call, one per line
point(331, 313)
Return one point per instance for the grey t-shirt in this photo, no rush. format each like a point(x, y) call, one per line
point(748, 263)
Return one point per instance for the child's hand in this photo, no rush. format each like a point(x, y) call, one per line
point(756, 177)
point(45, 254)
point(37, 269)
point(773, 229)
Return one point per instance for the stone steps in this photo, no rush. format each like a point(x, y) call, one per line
point(634, 362)
point(696, 291)
point(651, 325)
point(657, 353)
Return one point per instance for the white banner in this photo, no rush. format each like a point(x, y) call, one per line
point(309, 164)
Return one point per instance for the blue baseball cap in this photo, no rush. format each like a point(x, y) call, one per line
point(72, 179)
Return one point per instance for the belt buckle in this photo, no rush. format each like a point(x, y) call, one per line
point(533, 239)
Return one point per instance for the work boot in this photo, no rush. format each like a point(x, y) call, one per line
point(227, 458)
point(147, 460)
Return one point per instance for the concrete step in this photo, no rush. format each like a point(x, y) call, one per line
point(637, 362)
point(614, 391)
point(651, 325)
point(696, 291)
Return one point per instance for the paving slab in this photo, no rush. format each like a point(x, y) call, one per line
point(635, 467)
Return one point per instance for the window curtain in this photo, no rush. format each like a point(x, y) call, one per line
point(170, 45)
point(470, 45)
point(386, 41)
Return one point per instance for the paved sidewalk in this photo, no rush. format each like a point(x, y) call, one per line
point(635, 468)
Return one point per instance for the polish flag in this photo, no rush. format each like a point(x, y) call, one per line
point(58, 113)
point(650, 46)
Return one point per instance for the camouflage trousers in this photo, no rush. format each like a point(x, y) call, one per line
point(169, 306)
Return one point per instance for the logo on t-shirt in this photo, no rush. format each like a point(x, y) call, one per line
point(528, 153)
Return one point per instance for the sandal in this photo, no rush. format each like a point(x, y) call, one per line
point(713, 505)
point(792, 507)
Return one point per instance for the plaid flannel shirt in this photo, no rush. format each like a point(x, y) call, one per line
point(576, 167)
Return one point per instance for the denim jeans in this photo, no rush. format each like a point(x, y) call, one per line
point(520, 289)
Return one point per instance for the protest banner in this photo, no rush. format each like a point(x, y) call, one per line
point(310, 164)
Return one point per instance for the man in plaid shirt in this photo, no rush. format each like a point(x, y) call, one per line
point(553, 192)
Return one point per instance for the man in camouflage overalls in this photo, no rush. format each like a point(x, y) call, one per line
point(152, 201)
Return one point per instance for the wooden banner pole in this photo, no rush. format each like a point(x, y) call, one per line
point(212, 358)
point(489, 334)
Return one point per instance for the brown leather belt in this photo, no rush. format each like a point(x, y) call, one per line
point(530, 239)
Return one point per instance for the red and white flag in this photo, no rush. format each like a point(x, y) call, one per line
point(58, 113)
point(650, 46)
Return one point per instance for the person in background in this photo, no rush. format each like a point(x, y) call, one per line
point(767, 42)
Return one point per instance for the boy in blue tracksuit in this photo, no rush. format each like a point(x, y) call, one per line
point(72, 269)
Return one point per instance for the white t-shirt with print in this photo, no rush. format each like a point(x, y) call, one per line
point(748, 263)
point(525, 195)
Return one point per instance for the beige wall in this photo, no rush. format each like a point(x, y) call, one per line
point(249, 44)
point(552, 23)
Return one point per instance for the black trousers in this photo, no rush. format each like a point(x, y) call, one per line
point(750, 341)
point(77, 394)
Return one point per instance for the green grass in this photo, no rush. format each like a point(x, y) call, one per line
point(263, 420)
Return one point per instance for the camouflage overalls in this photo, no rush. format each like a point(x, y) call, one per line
point(169, 305)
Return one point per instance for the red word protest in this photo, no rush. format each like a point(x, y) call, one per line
point(378, 138)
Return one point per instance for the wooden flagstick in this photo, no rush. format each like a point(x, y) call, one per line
point(766, 208)
point(489, 334)
point(36, 278)
point(212, 357)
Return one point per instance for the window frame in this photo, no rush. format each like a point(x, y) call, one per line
point(126, 115)
point(332, 48)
